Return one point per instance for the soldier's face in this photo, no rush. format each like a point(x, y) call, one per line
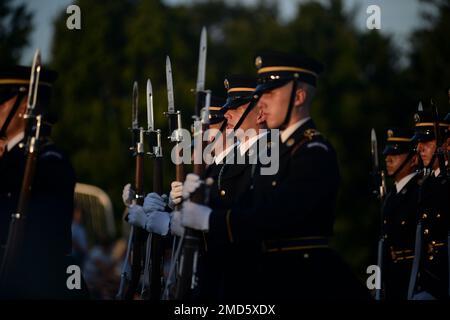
point(393, 162)
point(233, 115)
point(426, 151)
point(251, 120)
point(17, 122)
point(274, 104)
point(5, 109)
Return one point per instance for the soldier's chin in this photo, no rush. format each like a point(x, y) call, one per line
point(426, 162)
point(271, 124)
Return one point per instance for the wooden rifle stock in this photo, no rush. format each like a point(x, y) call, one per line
point(187, 279)
point(156, 242)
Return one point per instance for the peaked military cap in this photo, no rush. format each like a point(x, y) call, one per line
point(215, 113)
point(447, 120)
point(424, 126)
point(240, 90)
point(16, 79)
point(398, 141)
point(276, 69)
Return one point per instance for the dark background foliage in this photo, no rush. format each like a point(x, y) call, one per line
point(364, 84)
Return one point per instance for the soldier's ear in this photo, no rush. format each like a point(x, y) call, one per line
point(300, 96)
point(414, 160)
point(260, 117)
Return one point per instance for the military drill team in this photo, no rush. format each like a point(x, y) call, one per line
point(415, 224)
point(232, 232)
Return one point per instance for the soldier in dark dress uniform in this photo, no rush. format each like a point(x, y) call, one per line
point(41, 271)
point(287, 218)
point(231, 180)
point(430, 272)
point(399, 213)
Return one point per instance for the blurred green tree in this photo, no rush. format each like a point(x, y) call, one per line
point(363, 86)
point(15, 28)
point(428, 73)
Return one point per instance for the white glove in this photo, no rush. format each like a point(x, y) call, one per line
point(190, 185)
point(158, 222)
point(175, 224)
point(137, 216)
point(195, 216)
point(176, 194)
point(154, 202)
point(128, 195)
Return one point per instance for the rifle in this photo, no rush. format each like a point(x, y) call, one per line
point(187, 277)
point(443, 170)
point(176, 136)
point(447, 154)
point(153, 275)
point(34, 123)
point(135, 251)
point(440, 153)
point(380, 192)
point(175, 127)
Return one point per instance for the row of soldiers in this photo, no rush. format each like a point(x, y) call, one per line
point(264, 237)
point(415, 212)
point(267, 237)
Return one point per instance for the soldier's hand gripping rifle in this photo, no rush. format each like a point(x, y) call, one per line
point(34, 123)
point(130, 276)
point(187, 277)
point(380, 193)
point(153, 267)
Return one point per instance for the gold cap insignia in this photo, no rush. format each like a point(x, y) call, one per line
point(390, 133)
point(258, 62)
point(226, 84)
point(416, 117)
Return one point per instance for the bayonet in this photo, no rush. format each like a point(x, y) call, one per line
point(134, 107)
point(437, 135)
point(378, 174)
point(374, 148)
point(173, 116)
point(171, 103)
point(380, 191)
point(150, 118)
point(201, 62)
point(201, 71)
point(34, 82)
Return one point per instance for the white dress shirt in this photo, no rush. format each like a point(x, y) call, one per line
point(15, 140)
point(285, 134)
point(404, 181)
